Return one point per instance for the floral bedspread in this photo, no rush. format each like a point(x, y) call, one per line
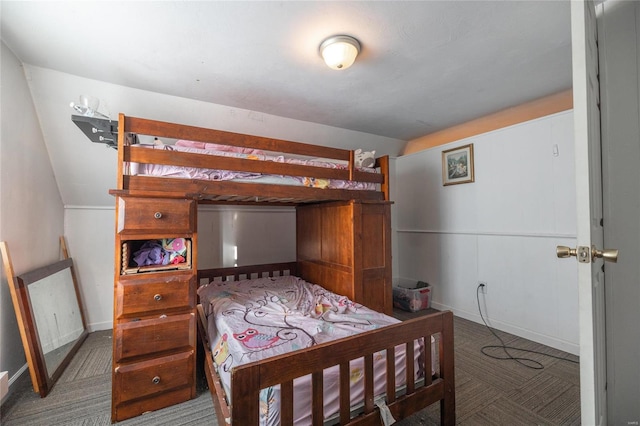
point(251, 320)
point(255, 319)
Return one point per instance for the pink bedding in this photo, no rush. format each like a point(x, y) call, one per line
point(250, 320)
point(220, 175)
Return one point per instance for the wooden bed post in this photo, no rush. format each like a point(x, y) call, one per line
point(448, 402)
point(383, 163)
point(245, 396)
point(352, 164)
point(121, 137)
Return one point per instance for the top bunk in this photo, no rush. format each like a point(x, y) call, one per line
point(214, 166)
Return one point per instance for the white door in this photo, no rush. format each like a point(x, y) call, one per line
point(589, 212)
point(619, 54)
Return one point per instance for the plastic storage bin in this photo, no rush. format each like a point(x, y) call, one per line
point(411, 296)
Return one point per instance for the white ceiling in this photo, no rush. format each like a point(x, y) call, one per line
point(424, 65)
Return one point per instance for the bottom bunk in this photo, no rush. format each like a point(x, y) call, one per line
point(279, 350)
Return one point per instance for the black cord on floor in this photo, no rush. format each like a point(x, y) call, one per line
point(527, 362)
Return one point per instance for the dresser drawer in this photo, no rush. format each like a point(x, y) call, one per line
point(153, 377)
point(156, 215)
point(162, 292)
point(154, 335)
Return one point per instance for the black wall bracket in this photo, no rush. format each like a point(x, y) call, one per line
point(98, 130)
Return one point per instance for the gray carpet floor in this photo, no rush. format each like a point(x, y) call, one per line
point(488, 391)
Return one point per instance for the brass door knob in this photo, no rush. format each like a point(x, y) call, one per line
point(609, 255)
point(587, 254)
point(582, 253)
point(564, 251)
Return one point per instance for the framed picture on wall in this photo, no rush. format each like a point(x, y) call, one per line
point(457, 165)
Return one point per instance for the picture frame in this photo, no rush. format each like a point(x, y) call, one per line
point(457, 165)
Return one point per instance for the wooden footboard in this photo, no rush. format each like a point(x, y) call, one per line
point(249, 379)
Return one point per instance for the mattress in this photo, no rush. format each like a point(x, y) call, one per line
point(251, 320)
point(159, 170)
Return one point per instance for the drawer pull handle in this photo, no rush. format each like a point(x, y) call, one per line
point(157, 215)
point(157, 297)
point(163, 316)
point(156, 380)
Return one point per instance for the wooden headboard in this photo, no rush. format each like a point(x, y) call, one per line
point(238, 273)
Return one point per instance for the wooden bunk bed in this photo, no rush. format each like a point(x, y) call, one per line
point(343, 244)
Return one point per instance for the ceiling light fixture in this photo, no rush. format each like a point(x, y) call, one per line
point(339, 52)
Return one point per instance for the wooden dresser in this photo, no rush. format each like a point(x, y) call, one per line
point(331, 252)
point(154, 320)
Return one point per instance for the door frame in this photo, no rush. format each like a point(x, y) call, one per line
point(589, 230)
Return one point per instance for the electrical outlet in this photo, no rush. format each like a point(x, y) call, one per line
point(483, 287)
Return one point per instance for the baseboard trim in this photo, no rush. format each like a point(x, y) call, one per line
point(553, 342)
point(12, 380)
point(4, 384)
point(100, 326)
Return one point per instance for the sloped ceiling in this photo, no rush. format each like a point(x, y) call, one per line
point(247, 66)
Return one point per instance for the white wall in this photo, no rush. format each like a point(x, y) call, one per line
point(90, 240)
point(31, 210)
point(502, 229)
point(238, 236)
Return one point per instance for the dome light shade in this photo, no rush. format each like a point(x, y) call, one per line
point(339, 52)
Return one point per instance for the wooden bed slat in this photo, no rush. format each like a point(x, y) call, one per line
point(317, 388)
point(368, 383)
point(345, 393)
point(203, 189)
point(426, 343)
point(179, 131)
point(409, 348)
point(448, 402)
point(204, 161)
point(391, 375)
point(286, 402)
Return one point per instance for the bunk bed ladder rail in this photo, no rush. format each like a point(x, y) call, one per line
point(249, 379)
